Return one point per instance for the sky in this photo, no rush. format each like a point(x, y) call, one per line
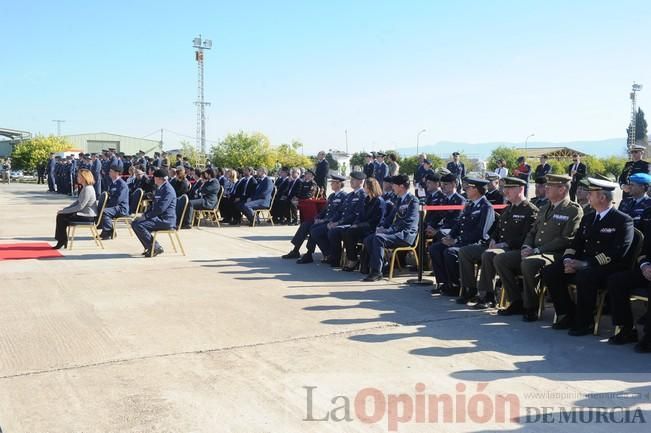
point(468, 71)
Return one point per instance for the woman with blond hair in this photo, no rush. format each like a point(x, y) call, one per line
point(84, 209)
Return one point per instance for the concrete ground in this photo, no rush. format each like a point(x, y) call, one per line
point(231, 338)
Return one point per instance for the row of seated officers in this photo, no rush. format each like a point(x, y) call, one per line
point(527, 247)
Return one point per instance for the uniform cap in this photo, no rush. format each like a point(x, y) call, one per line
point(336, 177)
point(594, 184)
point(400, 179)
point(474, 181)
point(640, 178)
point(357, 175)
point(448, 177)
point(513, 181)
point(432, 177)
point(557, 179)
point(492, 176)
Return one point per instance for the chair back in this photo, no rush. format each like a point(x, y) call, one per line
point(273, 197)
point(630, 259)
point(101, 205)
point(182, 205)
point(136, 199)
point(219, 197)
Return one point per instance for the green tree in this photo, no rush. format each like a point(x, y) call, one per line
point(28, 154)
point(559, 166)
point(509, 154)
point(195, 157)
point(287, 155)
point(358, 159)
point(242, 150)
point(332, 163)
point(640, 128)
point(594, 165)
point(613, 165)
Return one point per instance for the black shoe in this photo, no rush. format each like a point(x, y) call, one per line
point(624, 337)
point(293, 254)
point(60, 245)
point(564, 323)
point(644, 346)
point(463, 299)
point(511, 310)
point(530, 315)
point(157, 251)
point(305, 258)
point(450, 289)
point(146, 253)
point(581, 331)
point(234, 223)
point(436, 290)
point(105, 237)
point(186, 227)
point(373, 278)
point(487, 301)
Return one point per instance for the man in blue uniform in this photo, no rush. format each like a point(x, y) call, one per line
point(476, 220)
point(261, 198)
point(457, 168)
point(402, 232)
point(160, 216)
point(381, 168)
point(96, 170)
point(638, 200)
point(352, 207)
point(117, 204)
point(331, 212)
point(598, 249)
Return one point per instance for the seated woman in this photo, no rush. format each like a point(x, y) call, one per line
point(84, 209)
point(365, 224)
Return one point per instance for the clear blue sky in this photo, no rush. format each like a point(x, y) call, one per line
point(471, 71)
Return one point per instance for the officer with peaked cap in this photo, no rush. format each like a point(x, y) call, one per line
point(635, 165)
point(540, 200)
point(638, 200)
point(598, 249)
point(555, 227)
point(507, 238)
point(381, 168)
point(493, 194)
point(476, 220)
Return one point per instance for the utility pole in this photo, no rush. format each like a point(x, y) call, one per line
point(59, 122)
point(346, 132)
point(633, 133)
point(201, 45)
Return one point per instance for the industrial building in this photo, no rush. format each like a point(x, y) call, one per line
point(95, 142)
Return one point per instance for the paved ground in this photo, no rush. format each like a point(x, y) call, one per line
point(231, 338)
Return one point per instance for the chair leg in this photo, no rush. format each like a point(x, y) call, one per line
point(600, 307)
point(95, 234)
point(255, 218)
point(391, 264)
point(502, 297)
point(178, 239)
point(71, 236)
point(541, 300)
point(113, 230)
point(271, 220)
point(172, 242)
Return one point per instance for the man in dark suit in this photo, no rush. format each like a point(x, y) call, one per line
point(207, 197)
point(402, 232)
point(321, 171)
point(281, 184)
point(261, 198)
point(117, 204)
point(543, 169)
point(160, 216)
point(598, 249)
point(577, 171)
point(369, 165)
point(51, 169)
point(457, 168)
point(245, 189)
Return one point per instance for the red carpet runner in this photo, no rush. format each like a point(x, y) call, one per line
point(28, 250)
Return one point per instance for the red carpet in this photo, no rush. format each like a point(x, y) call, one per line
point(28, 250)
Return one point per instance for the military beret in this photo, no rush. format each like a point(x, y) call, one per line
point(337, 178)
point(432, 177)
point(161, 172)
point(513, 181)
point(492, 176)
point(474, 181)
point(116, 168)
point(357, 175)
point(400, 179)
point(557, 179)
point(541, 180)
point(448, 177)
point(594, 184)
point(640, 178)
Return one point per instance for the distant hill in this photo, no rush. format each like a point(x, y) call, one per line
point(600, 148)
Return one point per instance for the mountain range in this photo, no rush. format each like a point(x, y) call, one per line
point(600, 148)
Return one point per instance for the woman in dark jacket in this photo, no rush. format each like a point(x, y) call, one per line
point(180, 184)
point(365, 223)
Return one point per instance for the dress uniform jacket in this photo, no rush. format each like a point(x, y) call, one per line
point(322, 169)
point(476, 219)
point(334, 207)
point(539, 202)
point(542, 170)
point(369, 169)
point(633, 167)
point(604, 242)
point(381, 171)
point(495, 197)
point(352, 207)
point(514, 224)
point(555, 227)
point(445, 219)
point(119, 196)
point(390, 198)
point(306, 189)
point(163, 209)
point(635, 208)
point(405, 219)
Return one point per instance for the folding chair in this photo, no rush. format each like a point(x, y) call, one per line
point(393, 253)
point(93, 226)
point(213, 213)
point(265, 212)
point(182, 201)
point(128, 219)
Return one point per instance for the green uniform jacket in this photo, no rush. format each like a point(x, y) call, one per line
point(555, 228)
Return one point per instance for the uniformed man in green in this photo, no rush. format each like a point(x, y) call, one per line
point(550, 235)
point(512, 227)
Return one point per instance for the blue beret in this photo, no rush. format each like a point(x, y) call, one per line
point(640, 178)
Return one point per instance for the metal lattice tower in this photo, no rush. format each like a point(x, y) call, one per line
point(200, 46)
point(633, 133)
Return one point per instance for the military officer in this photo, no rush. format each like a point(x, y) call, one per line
point(457, 168)
point(381, 168)
point(550, 235)
point(439, 223)
point(493, 194)
point(369, 166)
point(635, 165)
point(540, 200)
point(308, 186)
point(620, 287)
point(638, 200)
point(117, 204)
point(598, 250)
point(512, 227)
point(402, 232)
point(331, 212)
point(476, 220)
point(543, 169)
point(353, 205)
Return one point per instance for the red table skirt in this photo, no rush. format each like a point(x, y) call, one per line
point(309, 208)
